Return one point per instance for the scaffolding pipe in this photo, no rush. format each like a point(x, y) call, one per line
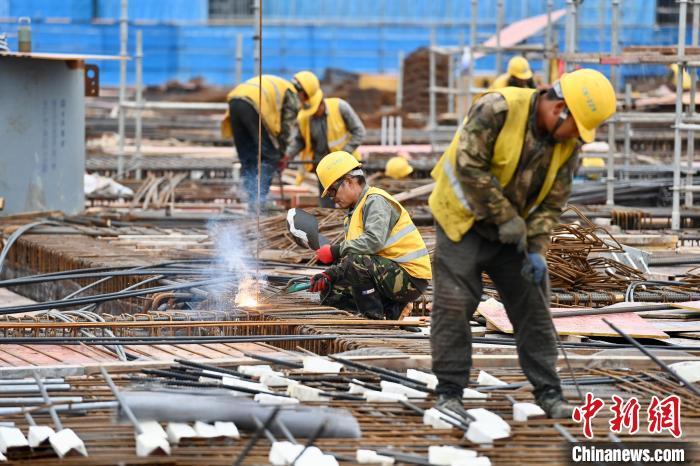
point(399, 84)
point(614, 42)
point(256, 38)
point(460, 94)
point(548, 43)
point(450, 83)
point(499, 28)
point(472, 46)
point(239, 58)
point(676, 209)
point(432, 120)
point(136, 163)
point(628, 131)
point(610, 163)
point(610, 179)
point(123, 37)
point(691, 108)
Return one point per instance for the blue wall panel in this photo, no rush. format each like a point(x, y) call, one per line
point(302, 34)
point(41, 9)
point(158, 10)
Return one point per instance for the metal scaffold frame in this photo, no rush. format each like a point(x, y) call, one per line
point(680, 122)
point(454, 89)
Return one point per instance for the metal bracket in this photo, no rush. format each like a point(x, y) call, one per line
point(92, 80)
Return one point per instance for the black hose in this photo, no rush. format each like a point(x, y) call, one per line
point(57, 304)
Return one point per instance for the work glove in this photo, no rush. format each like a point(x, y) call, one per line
point(328, 254)
point(321, 282)
point(535, 267)
point(514, 231)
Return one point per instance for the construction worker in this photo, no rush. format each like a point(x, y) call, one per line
point(673, 78)
point(383, 264)
point(325, 125)
point(519, 74)
point(500, 188)
point(398, 168)
point(280, 106)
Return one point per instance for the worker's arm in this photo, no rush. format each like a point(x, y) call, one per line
point(542, 220)
point(296, 145)
point(477, 139)
point(354, 126)
point(290, 108)
point(380, 217)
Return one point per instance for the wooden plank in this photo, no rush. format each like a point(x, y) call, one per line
point(630, 323)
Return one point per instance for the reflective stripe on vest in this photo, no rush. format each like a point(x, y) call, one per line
point(411, 255)
point(399, 234)
point(404, 245)
point(456, 185)
point(448, 202)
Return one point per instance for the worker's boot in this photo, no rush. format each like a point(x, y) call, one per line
point(554, 404)
point(394, 310)
point(453, 404)
point(368, 301)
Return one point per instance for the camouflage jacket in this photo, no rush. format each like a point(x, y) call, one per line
point(493, 205)
point(290, 108)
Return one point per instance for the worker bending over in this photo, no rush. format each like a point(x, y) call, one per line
point(383, 263)
point(519, 74)
point(500, 188)
point(325, 125)
point(280, 106)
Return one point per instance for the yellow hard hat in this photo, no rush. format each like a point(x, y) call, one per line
point(686, 76)
point(590, 98)
point(397, 168)
point(593, 162)
point(334, 166)
point(310, 85)
point(520, 68)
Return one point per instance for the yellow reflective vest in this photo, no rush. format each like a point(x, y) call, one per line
point(500, 82)
point(337, 133)
point(404, 246)
point(273, 90)
point(449, 204)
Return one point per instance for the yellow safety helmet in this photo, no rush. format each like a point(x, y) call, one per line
point(397, 168)
point(520, 68)
point(333, 167)
point(590, 97)
point(308, 82)
point(593, 162)
point(686, 76)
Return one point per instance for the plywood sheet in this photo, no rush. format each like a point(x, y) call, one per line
point(630, 323)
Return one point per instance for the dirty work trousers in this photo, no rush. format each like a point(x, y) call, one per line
point(374, 286)
point(244, 126)
point(457, 290)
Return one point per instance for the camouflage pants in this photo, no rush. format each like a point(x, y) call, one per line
point(374, 286)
